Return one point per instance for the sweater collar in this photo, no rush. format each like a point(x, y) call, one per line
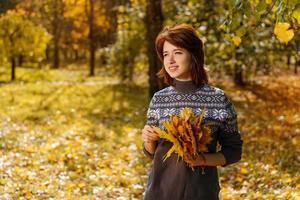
point(184, 86)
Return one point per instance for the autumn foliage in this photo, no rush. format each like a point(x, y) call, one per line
point(187, 133)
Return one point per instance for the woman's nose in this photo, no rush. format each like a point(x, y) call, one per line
point(171, 59)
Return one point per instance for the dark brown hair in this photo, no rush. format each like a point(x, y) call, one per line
point(183, 36)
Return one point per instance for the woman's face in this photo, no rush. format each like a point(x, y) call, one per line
point(177, 62)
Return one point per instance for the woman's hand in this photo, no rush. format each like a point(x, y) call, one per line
point(149, 137)
point(198, 161)
point(207, 159)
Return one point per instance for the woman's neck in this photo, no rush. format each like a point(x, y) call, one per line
point(184, 86)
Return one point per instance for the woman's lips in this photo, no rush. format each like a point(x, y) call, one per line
point(173, 68)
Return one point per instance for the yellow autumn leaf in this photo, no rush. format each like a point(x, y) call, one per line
point(169, 137)
point(201, 116)
point(269, 1)
point(82, 184)
point(283, 33)
point(175, 120)
point(236, 40)
point(190, 4)
point(198, 119)
point(239, 178)
point(244, 170)
point(163, 134)
point(200, 135)
point(296, 14)
point(168, 154)
point(169, 126)
point(281, 27)
point(193, 139)
point(186, 113)
point(180, 130)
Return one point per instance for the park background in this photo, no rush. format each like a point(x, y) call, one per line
point(76, 77)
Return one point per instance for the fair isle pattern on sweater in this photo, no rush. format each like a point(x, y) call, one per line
point(172, 179)
point(218, 108)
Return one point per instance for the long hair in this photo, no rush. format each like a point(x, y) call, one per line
point(183, 36)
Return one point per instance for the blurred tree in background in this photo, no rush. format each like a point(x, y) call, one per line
point(154, 23)
point(252, 25)
point(7, 4)
point(21, 39)
point(242, 38)
point(126, 54)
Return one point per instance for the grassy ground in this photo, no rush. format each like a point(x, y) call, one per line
point(65, 136)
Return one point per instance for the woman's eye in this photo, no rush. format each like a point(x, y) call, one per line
point(178, 52)
point(164, 55)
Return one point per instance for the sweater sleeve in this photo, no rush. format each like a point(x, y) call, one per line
point(152, 113)
point(152, 120)
point(229, 136)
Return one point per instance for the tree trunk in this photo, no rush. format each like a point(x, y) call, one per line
point(123, 70)
point(257, 67)
point(238, 75)
point(76, 54)
point(55, 24)
point(56, 53)
point(238, 70)
point(48, 53)
point(92, 38)
point(20, 60)
point(153, 24)
point(13, 68)
point(112, 16)
point(130, 69)
point(296, 66)
point(288, 60)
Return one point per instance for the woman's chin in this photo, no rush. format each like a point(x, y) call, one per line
point(172, 75)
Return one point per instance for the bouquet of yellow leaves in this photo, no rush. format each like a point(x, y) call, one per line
point(187, 134)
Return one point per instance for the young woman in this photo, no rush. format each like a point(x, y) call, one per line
point(181, 51)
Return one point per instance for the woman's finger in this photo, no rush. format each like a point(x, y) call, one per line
point(150, 137)
point(153, 138)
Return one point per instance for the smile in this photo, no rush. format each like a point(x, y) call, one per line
point(173, 68)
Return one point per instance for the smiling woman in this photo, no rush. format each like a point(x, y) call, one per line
point(181, 51)
point(177, 62)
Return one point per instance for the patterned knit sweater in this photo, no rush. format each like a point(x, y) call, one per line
point(220, 111)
